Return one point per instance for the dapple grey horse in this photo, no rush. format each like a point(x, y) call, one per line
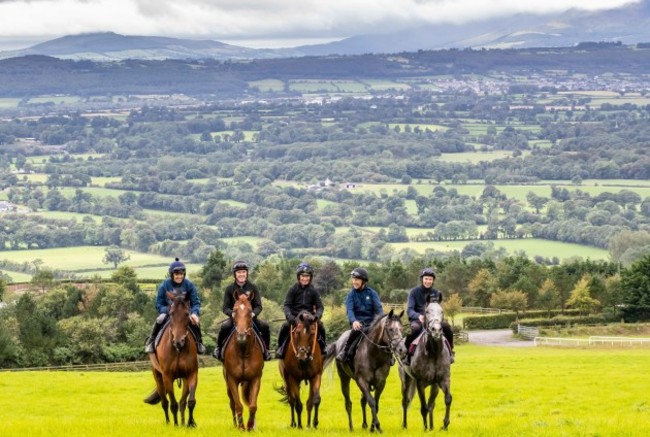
point(430, 366)
point(371, 365)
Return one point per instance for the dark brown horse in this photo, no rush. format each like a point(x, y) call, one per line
point(430, 366)
point(176, 359)
point(243, 362)
point(371, 366)
point(303, 362)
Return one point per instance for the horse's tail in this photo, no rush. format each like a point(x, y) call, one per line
point(245, 393)
point(282, 390)
point(330, 354)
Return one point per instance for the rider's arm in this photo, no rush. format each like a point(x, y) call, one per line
point(162, 305)
point(257, 300)
point(349, 307)
point(195, 302)
point(318, 303)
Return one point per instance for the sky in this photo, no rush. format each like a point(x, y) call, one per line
point(253, 23)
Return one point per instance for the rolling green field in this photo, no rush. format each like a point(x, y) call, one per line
point(497, 391)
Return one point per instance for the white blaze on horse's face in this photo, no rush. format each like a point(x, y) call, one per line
point(434, 316)
point(393, 328)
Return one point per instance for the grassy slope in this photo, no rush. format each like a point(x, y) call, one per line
point(497, 391)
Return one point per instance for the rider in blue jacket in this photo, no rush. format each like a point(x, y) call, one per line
point(362, 305)
point(177, 283)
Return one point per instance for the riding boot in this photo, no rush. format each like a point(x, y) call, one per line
point(149, 343)
point(196, 330)
point(282, 338)
point(221, 337)
point(266, 337)
point(153, 398)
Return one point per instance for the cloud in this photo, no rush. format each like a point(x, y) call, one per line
point(256, 19)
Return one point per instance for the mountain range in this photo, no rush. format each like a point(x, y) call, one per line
point(629, 24)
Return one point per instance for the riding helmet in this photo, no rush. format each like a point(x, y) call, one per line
point(239, 265)
point(176, 266)
point(304, 269)
point(360, 273)
point(428, 271)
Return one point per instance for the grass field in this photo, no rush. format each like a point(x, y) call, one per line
point(497, 391)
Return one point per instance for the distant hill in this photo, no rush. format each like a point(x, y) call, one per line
point(109, 46)
point(629, 24)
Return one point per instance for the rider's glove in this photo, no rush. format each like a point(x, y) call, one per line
point(194, 319)
point(161, 318)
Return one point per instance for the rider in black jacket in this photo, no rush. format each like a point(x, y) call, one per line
point(302, 296)
point(241, 285)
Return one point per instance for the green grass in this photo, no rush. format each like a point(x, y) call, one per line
point(532, 247)
point(497, 391)
point(87, 260)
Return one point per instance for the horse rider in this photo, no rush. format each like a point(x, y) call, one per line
point(362, 305)
point(241, 285)
point(177, 283)
point(415, 307)
point(302, 296)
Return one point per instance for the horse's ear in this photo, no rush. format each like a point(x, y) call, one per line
point(170, 295)
point(301, 316)
point(428, 298)
point(390, 314)
point(251, 296)
point(399, 316)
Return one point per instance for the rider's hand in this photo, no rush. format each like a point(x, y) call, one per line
point(194, 319)
point(356, 325)
point(421, 318)
point(161, 318)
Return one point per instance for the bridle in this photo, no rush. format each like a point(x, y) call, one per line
point(392, 339)
point(305, 351)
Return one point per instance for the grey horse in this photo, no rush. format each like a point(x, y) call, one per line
point(372, 363)
point(430, 366)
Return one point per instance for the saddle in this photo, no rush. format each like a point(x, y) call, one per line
point(416, 341)
point(258, 339)
point(162, 330)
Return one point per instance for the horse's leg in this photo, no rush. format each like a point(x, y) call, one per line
point(183, 401)
point(169, 393)
point(408, 386)
point(424, 410)
point(431, 405)
point(378, 391)
point(367, 398)
point(254, 390)
point(446, 389)
point(192, 382)
point(235, 403)
point(293, 390)
point(160, 387)
point(345, 389)
point(314, 400)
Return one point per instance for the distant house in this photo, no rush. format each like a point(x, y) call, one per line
point(7, 206)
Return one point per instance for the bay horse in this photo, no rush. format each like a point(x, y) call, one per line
point(243, 362)
point(430, 366)
point(302, 361)
point(176, 358)
point(372, 363)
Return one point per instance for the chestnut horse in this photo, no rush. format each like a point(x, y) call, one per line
point(302, 362)
point(176, 358)
point(243, 362)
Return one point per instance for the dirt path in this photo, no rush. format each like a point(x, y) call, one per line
point(497, 337)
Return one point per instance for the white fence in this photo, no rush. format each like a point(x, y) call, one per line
point(528, 332)
point(483, 310)
point(591, 341)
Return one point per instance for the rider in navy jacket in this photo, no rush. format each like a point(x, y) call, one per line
point(363, 305)
point(416, 304)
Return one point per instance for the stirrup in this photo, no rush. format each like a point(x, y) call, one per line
point(215, 353)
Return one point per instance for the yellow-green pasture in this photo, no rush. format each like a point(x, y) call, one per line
point(531, 246)
point(101, 181)
point(497, 391)
point(85, 261)
point(422, 127)
point(9, 102)
point(57, 100)
point(267, 85)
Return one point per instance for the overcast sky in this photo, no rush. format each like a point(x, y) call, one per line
point(253, 23)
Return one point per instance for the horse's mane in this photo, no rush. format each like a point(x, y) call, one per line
point(377, 320)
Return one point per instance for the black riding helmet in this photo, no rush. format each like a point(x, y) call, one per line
point(239, 265)
point(304, 269)
point(428, 271)
point(360, 273)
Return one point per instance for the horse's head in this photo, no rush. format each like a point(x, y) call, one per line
point(179, 316)
point(303, 337)
point(433, 316)
point(242, 315)
point(392, 331)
